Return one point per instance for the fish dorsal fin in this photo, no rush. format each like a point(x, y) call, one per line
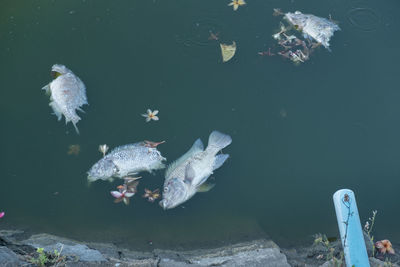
point(196, 148)
point(205, 187)
point(189, 174)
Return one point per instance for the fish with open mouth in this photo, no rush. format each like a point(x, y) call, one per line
point(188, 174)
point(127, 160)
point(67, 94)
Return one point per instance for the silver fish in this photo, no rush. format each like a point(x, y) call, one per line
point(188, 174)
point(67, 94)
point(320, 29)
point(126, 160)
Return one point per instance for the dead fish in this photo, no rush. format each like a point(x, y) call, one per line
point(317, 28)
point(126, 160)
point(67, 94)
point(188, 174)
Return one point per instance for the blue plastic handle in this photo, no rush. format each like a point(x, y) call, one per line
point(350, 229)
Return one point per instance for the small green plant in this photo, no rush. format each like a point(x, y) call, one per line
point(42, 258)
point(368, 227)
point(48, 259)
point(331, 252)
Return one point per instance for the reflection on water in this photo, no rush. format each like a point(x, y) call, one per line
point(299, 133)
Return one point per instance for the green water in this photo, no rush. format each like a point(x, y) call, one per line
point(299, 132)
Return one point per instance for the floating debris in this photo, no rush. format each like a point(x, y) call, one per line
point(316, 31)
point(152, 144)
point(126, 160)
point(74, 150)
point(151, 115)
point(2, 214)
point(277, 12)
point(67, 94)
point(228, 51)
point(151, 195)
point(103, 149)
point(236, 4)
point(213, 36)
point(123, 194)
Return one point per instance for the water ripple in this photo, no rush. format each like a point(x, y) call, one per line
point(364, 18)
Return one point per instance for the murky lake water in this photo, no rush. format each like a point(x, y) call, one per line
point(299, 132)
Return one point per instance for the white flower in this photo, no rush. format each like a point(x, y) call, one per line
point(236, 4)
point(366, 226)
point(103, 149)
point(151, 115)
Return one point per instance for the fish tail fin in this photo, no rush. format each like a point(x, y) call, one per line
point(218, 141)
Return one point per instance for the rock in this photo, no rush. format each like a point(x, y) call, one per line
point(67, 247)
point(374, 262)
point(174, 263)
point(8, 257)
point(256, 253)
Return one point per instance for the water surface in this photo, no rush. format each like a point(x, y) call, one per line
point(299, 132)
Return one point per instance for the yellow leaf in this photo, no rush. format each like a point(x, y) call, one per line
point(228, 51)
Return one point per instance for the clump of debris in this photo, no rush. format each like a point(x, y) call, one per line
point(314, 32)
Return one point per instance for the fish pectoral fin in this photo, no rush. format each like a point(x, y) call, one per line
point(205, 187)
point(47, 89)
point(219, 160)
point(189, 174)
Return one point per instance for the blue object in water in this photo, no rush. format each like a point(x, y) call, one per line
point(350, 229)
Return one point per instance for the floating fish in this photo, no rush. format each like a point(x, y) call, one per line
point(188, 174)
point(103, 149)
point(228, 51)
point(67, 94)
point(317, 28)
point(126, 160)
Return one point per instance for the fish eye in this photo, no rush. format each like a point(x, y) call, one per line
point(166, 189)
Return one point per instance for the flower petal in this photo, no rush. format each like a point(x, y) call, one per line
point(155, 112)
point(155, 118)
point(126, 200)
point(148, 119)
point(149, 111)
point(145, 115)
point(2, 214)
point(129, 194)
point(116, 194)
